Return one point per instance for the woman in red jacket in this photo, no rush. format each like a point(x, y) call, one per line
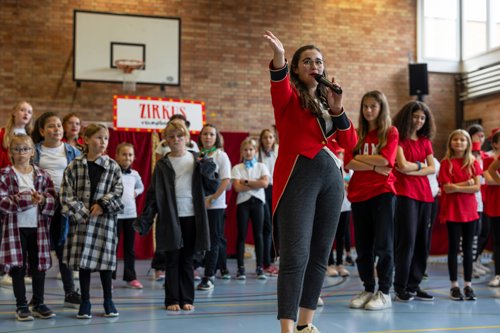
point(307, 181)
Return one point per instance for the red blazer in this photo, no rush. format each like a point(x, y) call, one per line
point(300, 131)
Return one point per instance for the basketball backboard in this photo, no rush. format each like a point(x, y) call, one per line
point(100, 39)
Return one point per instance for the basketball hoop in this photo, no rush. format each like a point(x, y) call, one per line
point(129, 68)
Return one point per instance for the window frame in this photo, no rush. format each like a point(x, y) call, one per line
point(489, 57)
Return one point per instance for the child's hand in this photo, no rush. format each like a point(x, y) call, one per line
point(96, 210)
point(37, 198)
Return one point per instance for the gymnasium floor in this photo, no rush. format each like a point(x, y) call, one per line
point(250, 306)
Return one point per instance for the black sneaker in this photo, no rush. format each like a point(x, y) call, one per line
point(84, 311)
point(260, 273)
point(241, 274)
point(469, 294)
point(205, 284)
point(404, 297)
point(349, 261)
point(72, 300)
point(42, 311)
point(422, 295)
point(224, 274)
point(109, 308)
point(456, 294)
point(23, 313)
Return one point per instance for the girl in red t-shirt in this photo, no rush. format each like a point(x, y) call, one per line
point(459, 180)
point(415, 160)
point(371, 192)
point(491, 207)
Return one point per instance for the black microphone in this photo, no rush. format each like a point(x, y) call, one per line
point(321, 79)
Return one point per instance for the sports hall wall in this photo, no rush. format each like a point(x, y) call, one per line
point(224, 58)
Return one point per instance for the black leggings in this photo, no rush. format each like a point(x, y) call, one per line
point(106, 282)
point(253, 209)
point(455, 230)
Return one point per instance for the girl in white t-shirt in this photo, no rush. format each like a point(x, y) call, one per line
point(250, 178)
point(53, 155)
point(211, 148)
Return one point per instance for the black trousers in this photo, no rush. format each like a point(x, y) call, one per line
point(55, 238)
point(270, 231)
point(495, 230)
point(217, 253)
point(106, 283)
point(412, 225)
point(455, 230)
point(29, 250)
point(250, 209)
point(374, 234)
point(126, 229)
point(179, 286)
point(340, 239)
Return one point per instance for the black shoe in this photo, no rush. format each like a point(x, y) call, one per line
point(349, 261)
point(260, 273)
point(109, 309)
point(456, 294)
point(72, 300)
point(469, 294)
point(42, 311)
point(422, 295)
point(23, 313)
point(206, 284)
point(84, 312)
point(404, 297)
point(241, 274)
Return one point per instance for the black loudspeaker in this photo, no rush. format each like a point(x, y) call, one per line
point(419, 80)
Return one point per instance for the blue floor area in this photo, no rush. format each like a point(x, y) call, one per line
point(250, 306)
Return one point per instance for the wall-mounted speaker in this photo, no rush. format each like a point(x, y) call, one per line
point(419, 80)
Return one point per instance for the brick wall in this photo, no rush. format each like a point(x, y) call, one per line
point(224, 57)
point(487, 109)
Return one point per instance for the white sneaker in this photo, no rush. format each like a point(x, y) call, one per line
point(495, 282)
point(342, 271)
point(483, 267)
point(379, 301)
point(320, 302)
point(6, 281)
point(331, 271)
point(476, 269)
point(309, 329)
point(360, 300)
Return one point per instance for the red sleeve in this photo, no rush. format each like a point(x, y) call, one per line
point(347, 139)
point(390, 149)
point(428, 148)
point(487, 162)
point(477, 169)
point(444, 176)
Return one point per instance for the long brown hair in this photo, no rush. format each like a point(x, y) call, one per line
point(403, 120)
point(383, 121)
point(306, 100)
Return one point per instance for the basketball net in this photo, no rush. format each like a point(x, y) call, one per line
point(129, 68)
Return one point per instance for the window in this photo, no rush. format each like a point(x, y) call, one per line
point(458, 35)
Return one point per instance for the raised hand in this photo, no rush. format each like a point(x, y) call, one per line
point(278, 49)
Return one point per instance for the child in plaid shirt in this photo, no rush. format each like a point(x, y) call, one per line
point(26, 207)
point(91, 194)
